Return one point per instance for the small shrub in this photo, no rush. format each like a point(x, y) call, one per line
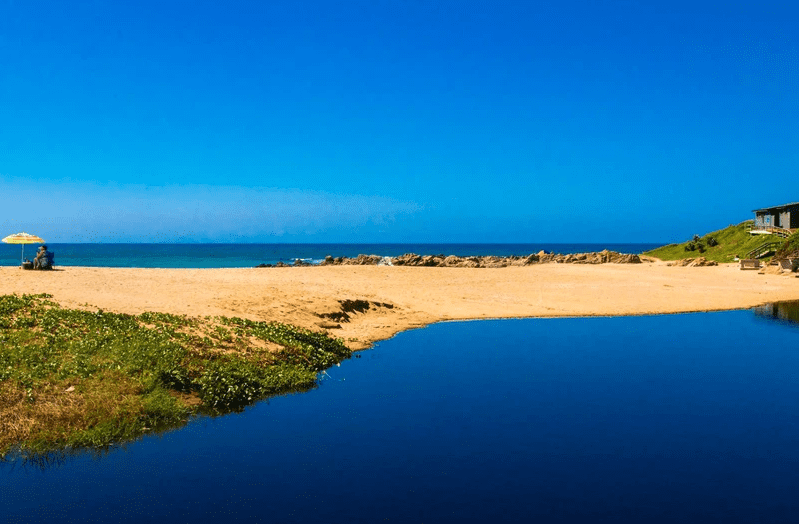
point(161, 408)
point(229, 384)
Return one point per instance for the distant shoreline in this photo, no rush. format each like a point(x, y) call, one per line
point(251, 255)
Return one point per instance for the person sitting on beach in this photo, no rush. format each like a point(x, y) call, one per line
point(44, 259)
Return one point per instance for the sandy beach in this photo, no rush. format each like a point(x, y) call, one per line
point(372, 303)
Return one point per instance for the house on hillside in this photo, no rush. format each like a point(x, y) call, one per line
point(785, 216)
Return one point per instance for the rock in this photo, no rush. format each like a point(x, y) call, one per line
point(70, 389)
point(693, 262)
point(623, 258)
point(408, 259)
point(703, 262)
point(327, 324)
point(452, 261)
point(432, 260)
point(412, 259)
point(368, 260)
point(470, 262)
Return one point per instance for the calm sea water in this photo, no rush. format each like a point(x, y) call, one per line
point(249, 255)
point(681, 418)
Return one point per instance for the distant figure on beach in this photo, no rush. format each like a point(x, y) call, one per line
point(44, 259)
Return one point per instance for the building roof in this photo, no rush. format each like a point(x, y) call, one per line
point(775, 207)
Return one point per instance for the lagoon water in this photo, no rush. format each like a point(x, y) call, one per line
point(249, 255)
point(691, 417)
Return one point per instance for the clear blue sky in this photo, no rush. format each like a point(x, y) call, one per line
point(395, 121)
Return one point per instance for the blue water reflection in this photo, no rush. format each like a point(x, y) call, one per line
point(632, 419)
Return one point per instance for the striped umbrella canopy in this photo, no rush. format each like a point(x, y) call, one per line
point(23, 238)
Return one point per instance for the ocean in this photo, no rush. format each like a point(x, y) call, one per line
point(666, 418)
point(250, 255)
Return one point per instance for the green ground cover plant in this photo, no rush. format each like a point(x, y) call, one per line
point(71, 378)
point(790, 248)
point(722, 245)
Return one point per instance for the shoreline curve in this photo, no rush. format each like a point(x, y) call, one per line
point(365, 304)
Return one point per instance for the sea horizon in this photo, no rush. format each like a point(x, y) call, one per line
point(251, 254)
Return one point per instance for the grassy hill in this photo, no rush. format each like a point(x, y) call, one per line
point(730, 241)
point(790, 248)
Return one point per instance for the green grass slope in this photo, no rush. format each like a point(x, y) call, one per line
point(790, 248)
point(730, 241)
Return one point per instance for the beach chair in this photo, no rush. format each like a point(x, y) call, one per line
point(750, 263)
point(787, 264)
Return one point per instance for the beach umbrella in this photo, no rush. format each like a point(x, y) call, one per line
point(23, 238)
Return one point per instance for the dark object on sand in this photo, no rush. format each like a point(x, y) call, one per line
point(44, 259)
point(750, 263)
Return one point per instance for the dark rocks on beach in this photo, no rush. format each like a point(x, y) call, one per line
point(412, 259)
point(542, 257)
point(603, 257)
point(297, 263)
point(365, 260)
point(328, 324)
point(348, 307)
point(694, 262)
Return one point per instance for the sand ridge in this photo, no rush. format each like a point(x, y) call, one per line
point(392, 299)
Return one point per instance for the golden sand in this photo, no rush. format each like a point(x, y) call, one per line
point(400, 298)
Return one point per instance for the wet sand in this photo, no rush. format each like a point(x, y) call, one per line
point(371, 303)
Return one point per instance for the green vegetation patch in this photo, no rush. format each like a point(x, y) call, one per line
point(722, 245)
point(72, 378)
point(790, 248)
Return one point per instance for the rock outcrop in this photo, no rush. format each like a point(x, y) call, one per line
point(693, 262)
point(542, 257)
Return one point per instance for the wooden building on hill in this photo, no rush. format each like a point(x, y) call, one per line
point(785, 216)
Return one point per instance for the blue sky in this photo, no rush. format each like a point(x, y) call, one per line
point(395, 121)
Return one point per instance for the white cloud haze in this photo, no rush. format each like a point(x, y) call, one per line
point(87, 212)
